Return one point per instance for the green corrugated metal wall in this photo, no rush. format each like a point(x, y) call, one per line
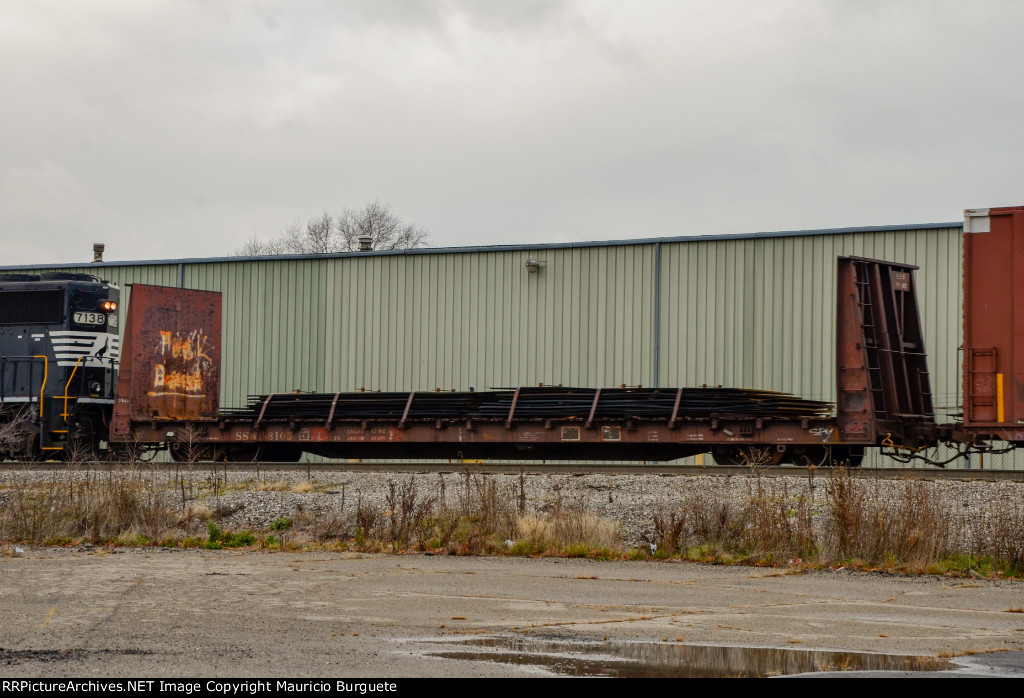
point(481, 320)
point(760, 313)
point(744, 312)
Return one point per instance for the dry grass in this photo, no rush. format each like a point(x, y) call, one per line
point(98, 505)
point(195, 512)
point(911, 528)
point(471, 515)
point(838, 521)
point(856, 523)
point(772, 523)
point(564, 528)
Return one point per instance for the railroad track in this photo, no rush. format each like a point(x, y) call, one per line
point(657, 469)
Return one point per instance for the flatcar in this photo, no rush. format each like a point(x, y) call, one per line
point(63, 391)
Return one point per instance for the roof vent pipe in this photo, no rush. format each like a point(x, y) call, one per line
point(97, 252)
point(364, 243)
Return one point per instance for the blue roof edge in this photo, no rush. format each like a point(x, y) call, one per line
point(495, 248)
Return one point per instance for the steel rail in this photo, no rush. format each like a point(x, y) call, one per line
point(657, 469)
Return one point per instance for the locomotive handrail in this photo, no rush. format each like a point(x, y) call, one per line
point(83, 387)
point(26, 359)
point(46, 373)
point(67, 386)
point(42, 388)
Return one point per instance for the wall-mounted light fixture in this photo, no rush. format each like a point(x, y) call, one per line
point(532, 264)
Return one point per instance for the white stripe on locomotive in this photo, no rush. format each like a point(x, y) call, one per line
point(69, 345)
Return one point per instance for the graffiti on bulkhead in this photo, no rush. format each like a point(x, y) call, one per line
point(185, 364)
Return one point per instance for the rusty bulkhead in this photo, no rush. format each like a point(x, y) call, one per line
point(172, 342)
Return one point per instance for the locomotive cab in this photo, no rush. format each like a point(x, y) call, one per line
point(59, 354)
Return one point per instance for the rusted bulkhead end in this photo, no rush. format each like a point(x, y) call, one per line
point(993, 370)
point(172, 344)
point(883, 386)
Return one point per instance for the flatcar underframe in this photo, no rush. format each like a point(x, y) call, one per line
point(731, 441)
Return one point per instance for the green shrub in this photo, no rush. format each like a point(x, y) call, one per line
point(577, 550)
point(525, 547)
point(239, 539)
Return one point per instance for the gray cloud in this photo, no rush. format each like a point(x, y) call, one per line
point(182, 129)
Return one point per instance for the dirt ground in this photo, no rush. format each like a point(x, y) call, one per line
point(149, 612)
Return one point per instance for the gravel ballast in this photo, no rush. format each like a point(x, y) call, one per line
point(255, 500)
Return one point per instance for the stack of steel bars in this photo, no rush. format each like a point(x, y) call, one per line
point(532, 403)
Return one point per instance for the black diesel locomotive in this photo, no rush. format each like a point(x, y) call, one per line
point(59, 354)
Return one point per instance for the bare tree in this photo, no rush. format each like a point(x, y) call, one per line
point(255, 247)
point(15, 431)
point(379, 223)
point(319, 235)
point(325, 233)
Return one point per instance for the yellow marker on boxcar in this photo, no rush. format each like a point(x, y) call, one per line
point(999, 397)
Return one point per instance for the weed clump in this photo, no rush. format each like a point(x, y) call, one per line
point(100, 506)
point(851, 522)
point(217, 538)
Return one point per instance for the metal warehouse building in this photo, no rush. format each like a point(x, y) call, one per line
point(751, 311)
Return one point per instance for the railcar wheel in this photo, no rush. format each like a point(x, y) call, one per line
point(811, 456)
point(281, 454)
point(726, 455)
point(243, 453)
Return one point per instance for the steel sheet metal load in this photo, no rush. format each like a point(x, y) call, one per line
point(539, 403)
point(544, 422)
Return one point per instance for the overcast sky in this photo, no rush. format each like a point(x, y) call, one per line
point(180, 129)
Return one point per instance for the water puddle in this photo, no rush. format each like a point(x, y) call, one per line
point(666, 660)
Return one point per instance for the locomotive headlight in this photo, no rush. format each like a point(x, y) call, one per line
point(108, 306)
